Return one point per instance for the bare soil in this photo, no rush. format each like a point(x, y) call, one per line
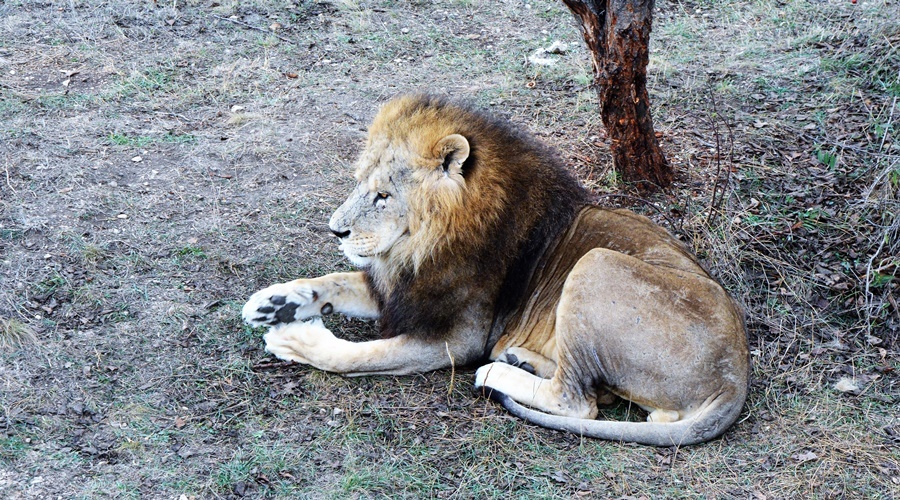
point(162, 160)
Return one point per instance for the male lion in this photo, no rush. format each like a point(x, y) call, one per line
point(476, 243)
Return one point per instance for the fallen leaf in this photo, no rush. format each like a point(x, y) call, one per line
point(179, 422)
point(805, 457)
point(560, 477)
point(846, 385)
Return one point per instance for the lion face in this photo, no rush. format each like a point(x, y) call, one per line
point(403, 187)
point(375, 216)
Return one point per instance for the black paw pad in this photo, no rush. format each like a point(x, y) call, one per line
point(266, 309)
point(327, 309)
point(278, 300)
point(286, 313)
point(512, 359)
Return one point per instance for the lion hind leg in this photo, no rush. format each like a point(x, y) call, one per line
point(543, 402)
point(547, 395)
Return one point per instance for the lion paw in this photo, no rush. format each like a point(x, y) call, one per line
point(282, 303)
point(300, 342)
point(482, 373)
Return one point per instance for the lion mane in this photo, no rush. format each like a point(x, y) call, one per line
point(488, 218)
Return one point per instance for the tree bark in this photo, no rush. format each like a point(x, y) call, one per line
point(617, 32)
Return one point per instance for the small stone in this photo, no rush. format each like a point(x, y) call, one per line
point(846, 385)
point(137, 159)
point(558, 48)
point(76, 407)
point(122, 216)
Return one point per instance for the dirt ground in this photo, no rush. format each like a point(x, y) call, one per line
point(162, 160)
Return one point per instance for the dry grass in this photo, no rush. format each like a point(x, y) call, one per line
point(131, 274)
point(16, 335)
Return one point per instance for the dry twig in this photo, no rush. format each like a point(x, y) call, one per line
point(257, 28)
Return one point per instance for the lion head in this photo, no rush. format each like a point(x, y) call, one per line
point(439, 199)
point(410, 188)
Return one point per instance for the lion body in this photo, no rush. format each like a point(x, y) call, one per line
point(477, 243)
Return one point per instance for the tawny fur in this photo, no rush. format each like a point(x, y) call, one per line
point(475, 242)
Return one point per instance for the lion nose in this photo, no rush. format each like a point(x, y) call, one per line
point(340, 234)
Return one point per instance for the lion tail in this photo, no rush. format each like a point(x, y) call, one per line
point(707, 424)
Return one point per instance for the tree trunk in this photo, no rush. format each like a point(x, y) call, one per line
point(617, 33)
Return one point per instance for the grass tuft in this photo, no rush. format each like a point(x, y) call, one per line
point(15, 334)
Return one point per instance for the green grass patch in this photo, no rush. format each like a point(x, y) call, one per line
point(140, 141)
point(12, 448)
point(192, 251)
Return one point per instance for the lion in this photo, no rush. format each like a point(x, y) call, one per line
point(474, 243)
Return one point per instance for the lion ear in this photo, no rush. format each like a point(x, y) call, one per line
point(452, 151)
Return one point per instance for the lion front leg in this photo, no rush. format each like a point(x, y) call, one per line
point(311, 343)
point(346, 293)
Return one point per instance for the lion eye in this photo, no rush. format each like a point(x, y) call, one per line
point(381, 196)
